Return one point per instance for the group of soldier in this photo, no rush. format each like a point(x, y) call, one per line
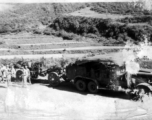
point(8, 73)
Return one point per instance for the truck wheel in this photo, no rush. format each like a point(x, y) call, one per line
point(19, 75)
point(143, 90)
point(81, 85)
point(141, 94)
point(54, 79)
point(92, 87)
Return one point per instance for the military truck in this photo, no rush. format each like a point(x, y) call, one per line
point(95, 73)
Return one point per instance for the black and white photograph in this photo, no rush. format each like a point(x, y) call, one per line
point(75, 60)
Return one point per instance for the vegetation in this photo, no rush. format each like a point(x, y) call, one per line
point(65, 35)
point(28, 17)
point(46, 62)
point(119, 8)
point(112, 31)
point(101, 28)
point(31, 17)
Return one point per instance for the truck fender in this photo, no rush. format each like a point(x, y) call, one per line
point(145, 85)
point(55, 73)
point(75, 79)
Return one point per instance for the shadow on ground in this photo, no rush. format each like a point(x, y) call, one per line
point(2, 86)
point(66, 86)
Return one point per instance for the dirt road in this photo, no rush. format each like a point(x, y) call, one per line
point(42, 55)
point(72, 48)
point(50, 43)
point(40, 102)
point(83, 48)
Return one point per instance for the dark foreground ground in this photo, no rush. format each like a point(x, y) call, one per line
point(38, 101)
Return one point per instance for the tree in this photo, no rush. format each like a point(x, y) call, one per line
point(5, 28)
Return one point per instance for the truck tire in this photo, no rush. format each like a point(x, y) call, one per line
point(92, 87)
point(54, 79)
point(143, 90)
point(80, 85)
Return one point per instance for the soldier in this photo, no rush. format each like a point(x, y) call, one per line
point(0, 73)
point(4, 73)
point(8, 75)
point(28, 74)
point(63, 75)
point(13, 73)
point(24, 77)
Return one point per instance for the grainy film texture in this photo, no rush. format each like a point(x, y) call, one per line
point(76, 60)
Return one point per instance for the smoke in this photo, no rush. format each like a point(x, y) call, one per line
point(131, 53)
point(132, 67)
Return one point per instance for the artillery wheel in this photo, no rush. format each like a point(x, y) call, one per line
point(54, 79)
point(19, 75)
point(92, 87)
point(81, 85)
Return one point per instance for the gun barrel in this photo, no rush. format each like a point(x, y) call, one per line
point(144, 73)
point(145, 70)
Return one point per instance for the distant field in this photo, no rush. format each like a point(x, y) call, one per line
point(36, 42)
point(26, 38)
point(86, 12)
point(31, 39)
point(25, 44)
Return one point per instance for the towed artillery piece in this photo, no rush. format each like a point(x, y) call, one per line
point(36, 69)
point(95, 73)
point(19, 72)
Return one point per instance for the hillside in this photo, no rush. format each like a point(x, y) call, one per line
point(107, 23)
point(122, 8)
point(99, 28)
point(30, 16)
point(103, 22)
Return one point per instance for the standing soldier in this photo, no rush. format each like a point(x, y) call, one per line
point(13, 73)
point(8, 72)
point(28, 74)
point(24, 76)
point(1, 73)
point(4, 73)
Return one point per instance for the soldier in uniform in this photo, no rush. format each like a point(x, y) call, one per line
point(24, 77)
point(8, 72)
point(4, 73)
point(28, 74)
point(13, 73)
point(1, 73)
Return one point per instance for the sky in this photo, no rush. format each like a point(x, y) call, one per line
point(48, 1)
